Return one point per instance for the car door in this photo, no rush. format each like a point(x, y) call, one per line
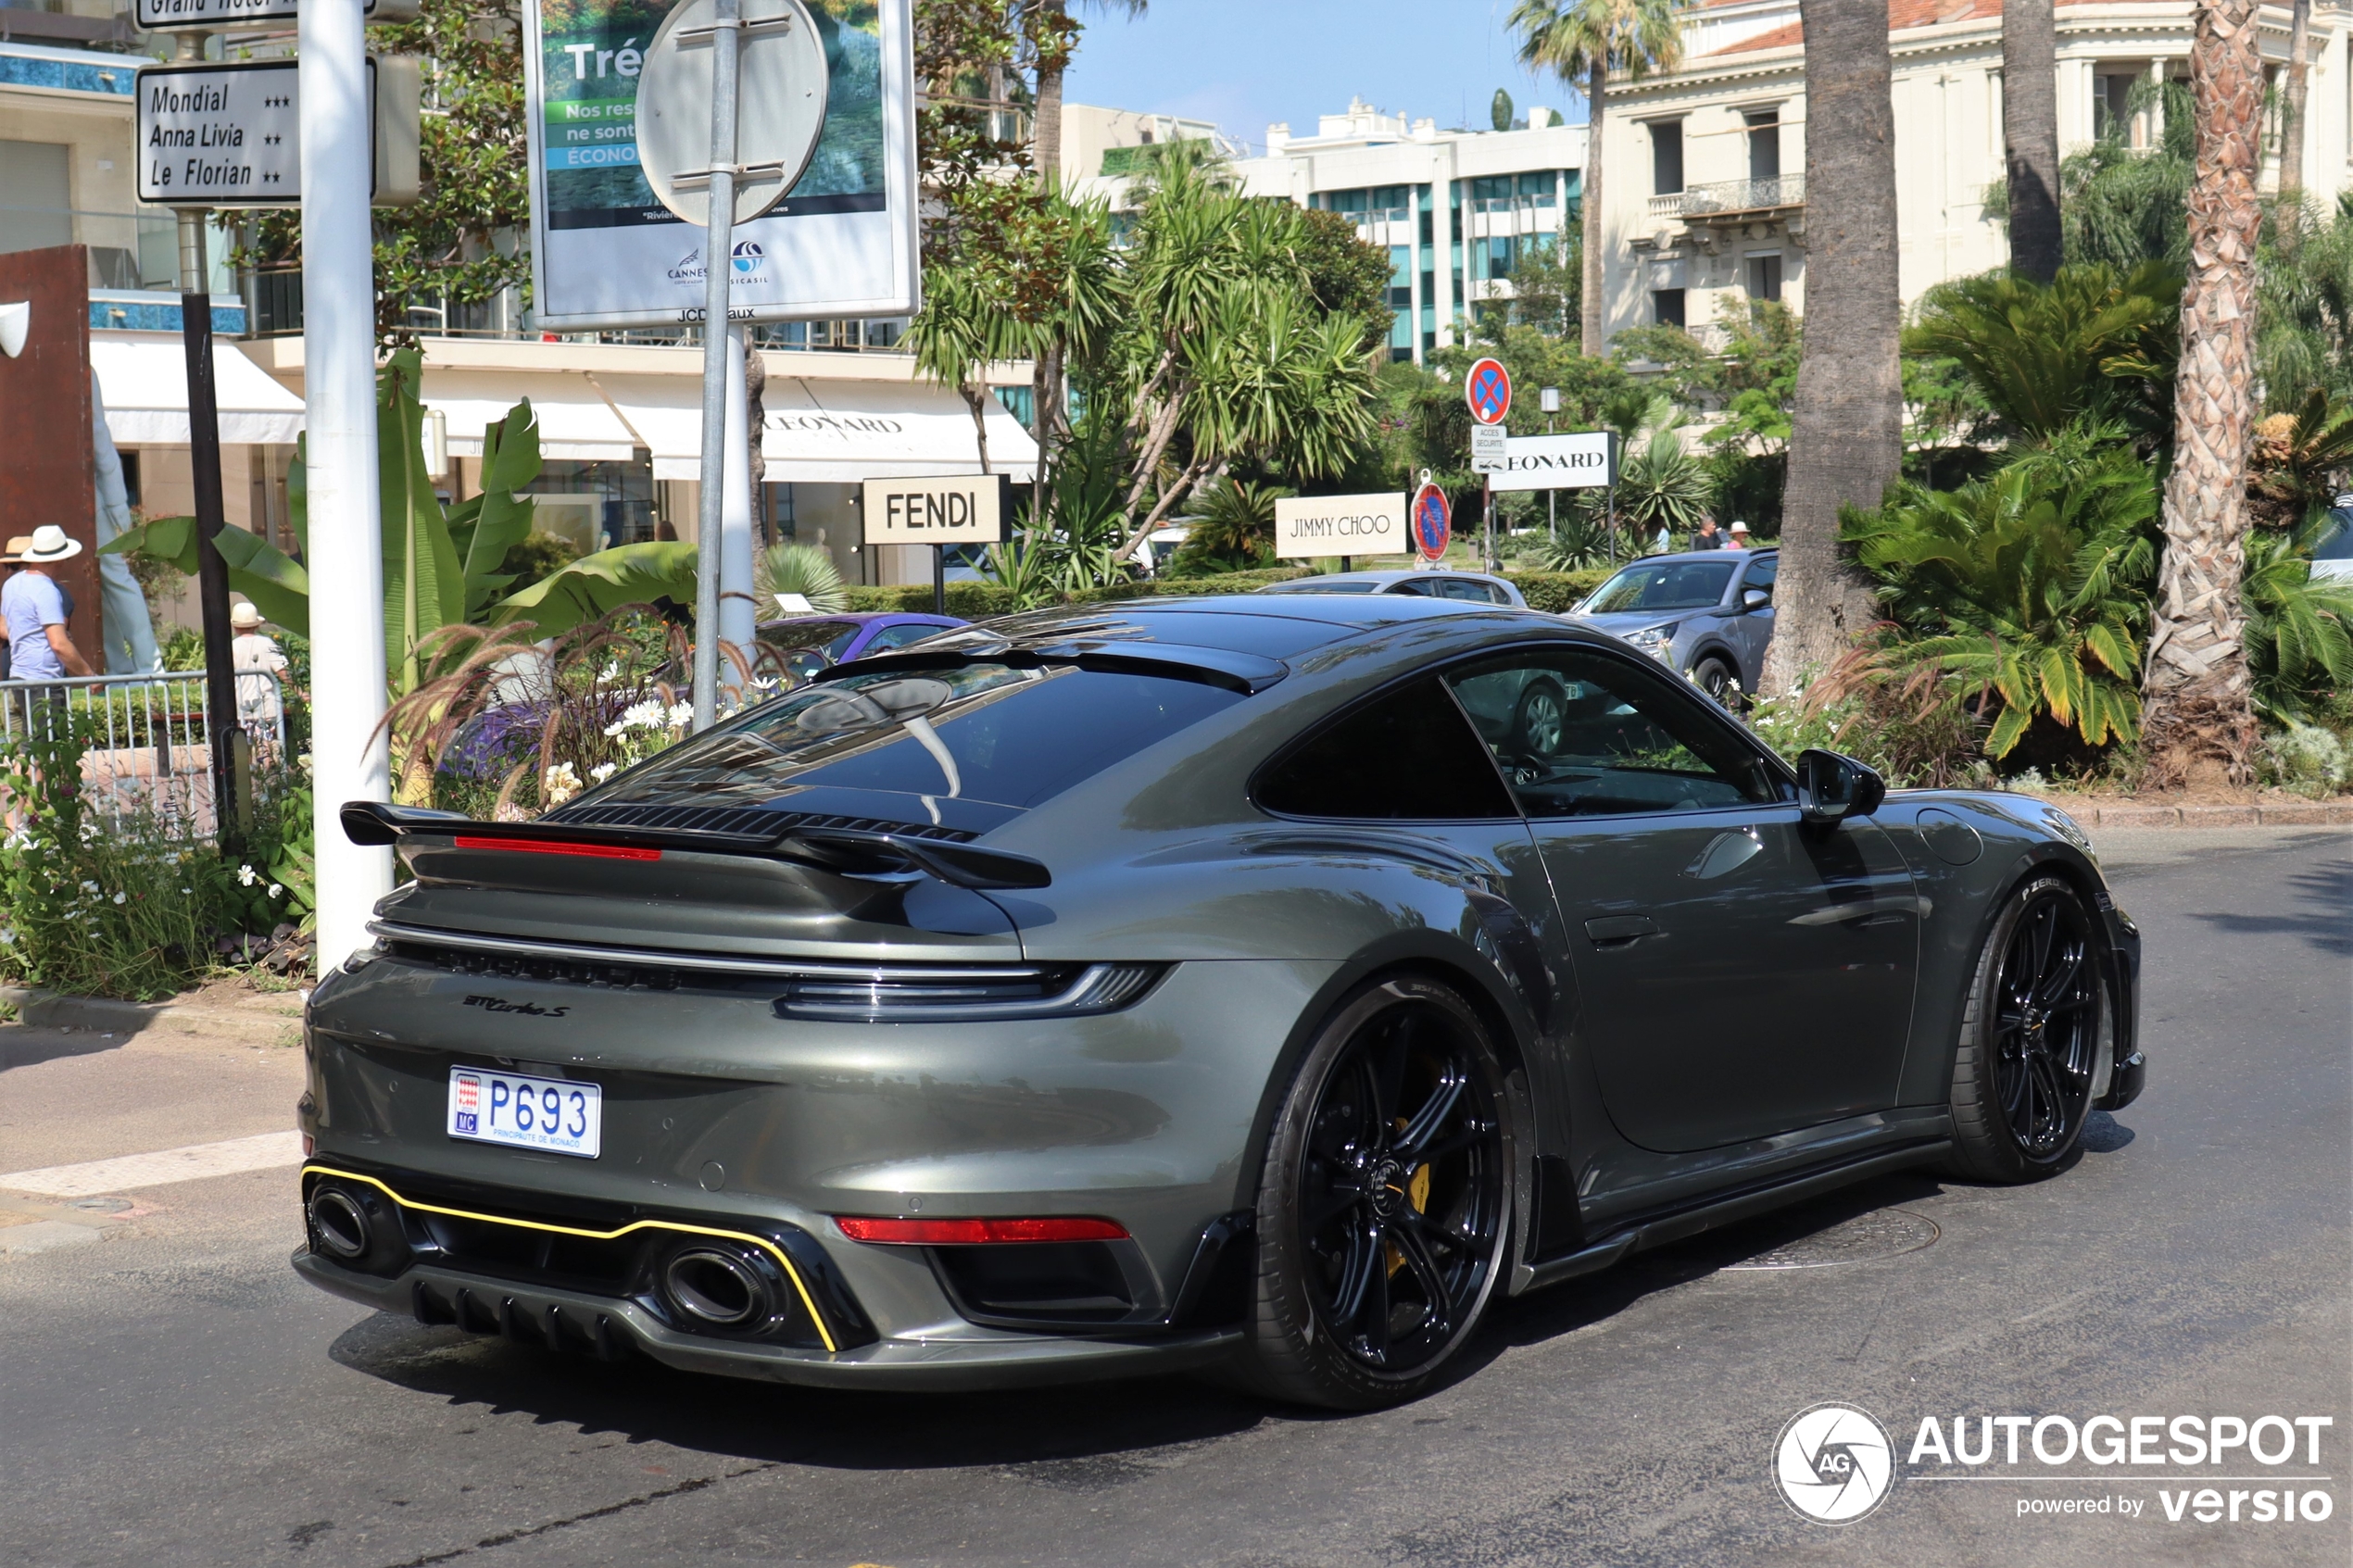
point(1752, 630)
point(1741, 975)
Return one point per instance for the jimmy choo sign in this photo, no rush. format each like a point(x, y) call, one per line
point(1307, 527)
point(1554, 462)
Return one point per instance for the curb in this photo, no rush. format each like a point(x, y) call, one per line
point(48, 1010)
point(2305, 813)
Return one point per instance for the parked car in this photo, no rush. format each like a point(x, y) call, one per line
point(2332, 552)
point(1119, 988)
point(1465, 587)
point(811, 643)
point(1707, 614)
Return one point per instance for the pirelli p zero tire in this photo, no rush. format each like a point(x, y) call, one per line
point(1384, 1203)
point(2031, 1038)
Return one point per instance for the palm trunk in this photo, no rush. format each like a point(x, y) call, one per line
point(1589, 303)
point(1847, 423)
point(976, 399)
point(2029, 136)
point(1041, 382)
point(2300, 67)
point(1046, 128)
point(2199, 721)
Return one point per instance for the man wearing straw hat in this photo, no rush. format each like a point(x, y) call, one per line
point(39, 646)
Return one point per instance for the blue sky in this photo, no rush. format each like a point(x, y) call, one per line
point(1243, 63)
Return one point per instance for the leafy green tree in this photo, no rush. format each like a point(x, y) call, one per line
point(1581, 41)
point(2093, 344)
point(2299, 627)
point(2030, 587)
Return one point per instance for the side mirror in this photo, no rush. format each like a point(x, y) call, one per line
point(1831, 788)
point(1756, 598)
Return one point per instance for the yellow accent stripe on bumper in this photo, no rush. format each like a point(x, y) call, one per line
point(824, 1332)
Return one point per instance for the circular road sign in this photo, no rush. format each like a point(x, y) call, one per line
point(1488, 390)
point(1433, 524)
point(781, 86)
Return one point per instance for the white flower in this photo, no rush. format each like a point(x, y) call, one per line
point(304, 760)
point(644, 715)
point(681, 715)
point(604, 771)
point(275, 889)
point(246, 876)
point(122, 897)
point(7, 938)
point(559, 783)
point(616, 727)
point(89, 887)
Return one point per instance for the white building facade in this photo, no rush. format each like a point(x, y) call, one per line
point(1704, 192)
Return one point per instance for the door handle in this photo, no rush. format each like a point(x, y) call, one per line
point(1615, 931)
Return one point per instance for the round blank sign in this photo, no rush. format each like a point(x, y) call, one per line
point(780, 106)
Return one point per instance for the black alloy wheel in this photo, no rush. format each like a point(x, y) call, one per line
point(2031, 1043)
point(1384, 1212)
point(1716, 678)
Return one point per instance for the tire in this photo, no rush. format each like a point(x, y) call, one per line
point(1539, 719)
point(1375, 1268)
point(1719, 681)
point(2031, 1038)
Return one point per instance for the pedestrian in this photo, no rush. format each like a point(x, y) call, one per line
point(1665, 544)
point(261, 667)
point(1740, 540)
point(1707, 538)
point(36, 610)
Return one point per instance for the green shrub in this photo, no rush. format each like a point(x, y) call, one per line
point(1557, 593)
point(1224, 582)
point(2306, 758)
point(967, 600)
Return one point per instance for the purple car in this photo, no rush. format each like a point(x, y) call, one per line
point(811, 643)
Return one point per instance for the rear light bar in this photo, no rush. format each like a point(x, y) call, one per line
point(559, 847)
point(968, 1233)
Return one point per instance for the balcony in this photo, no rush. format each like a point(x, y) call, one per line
point(1737, 201)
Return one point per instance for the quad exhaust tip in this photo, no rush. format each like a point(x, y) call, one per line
point(717, 1286)
point(340, 1224)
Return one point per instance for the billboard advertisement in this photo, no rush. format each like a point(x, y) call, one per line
point(605, 253)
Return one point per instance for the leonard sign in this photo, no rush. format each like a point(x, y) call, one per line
point(1307, 527)
point(1554, 462)
point(962, 509)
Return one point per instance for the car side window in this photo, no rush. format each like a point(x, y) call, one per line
point(899, 636)
point(1760, 573)
point(1468, 590)
point(1579, 734)
point(1422, 586)
point(1406, 756)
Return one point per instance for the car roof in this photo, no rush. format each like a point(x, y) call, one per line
point(1392, 574)
point(863, 618)
point(1701, 555)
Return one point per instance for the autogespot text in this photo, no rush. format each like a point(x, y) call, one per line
point(2221, 1469)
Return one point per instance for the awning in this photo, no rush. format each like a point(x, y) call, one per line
point(144, 381)
point(575, 422)
point(823, 431)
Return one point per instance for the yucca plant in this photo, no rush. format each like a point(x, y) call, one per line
point(2299, 628)
point(1663, 486)
point(2030, 586)
point(800, 569)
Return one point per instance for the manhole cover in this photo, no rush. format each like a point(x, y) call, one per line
point(1883, 1233)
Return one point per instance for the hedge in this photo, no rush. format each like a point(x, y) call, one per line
point(966, 600)
point(1557, 593)
point(1222, 583)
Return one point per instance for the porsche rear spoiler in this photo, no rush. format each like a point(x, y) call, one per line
point(842, 850)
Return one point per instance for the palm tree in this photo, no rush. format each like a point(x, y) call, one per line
point(1846, 420)
point(2300, 64)
point(2200, 720)
point(2029, 136)
point(1054, 36)
point(1588, 39)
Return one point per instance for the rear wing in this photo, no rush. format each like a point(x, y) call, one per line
point(845, 851)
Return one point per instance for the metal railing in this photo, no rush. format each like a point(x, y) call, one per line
point(149, 750)
point(128, 250)
point(1743, 195)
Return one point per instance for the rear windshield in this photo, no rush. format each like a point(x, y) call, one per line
point(1689, 584)
point(980, 732)
point(833, 636)
point(1309, 585)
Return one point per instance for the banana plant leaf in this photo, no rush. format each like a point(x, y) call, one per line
point(598, 585)
point(276, 583)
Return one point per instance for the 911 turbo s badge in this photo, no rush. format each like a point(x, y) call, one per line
point(529, 1010)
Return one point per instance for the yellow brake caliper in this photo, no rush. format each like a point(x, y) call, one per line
point(1416, 1194)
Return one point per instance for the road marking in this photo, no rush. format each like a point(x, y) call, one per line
point(263, 1153)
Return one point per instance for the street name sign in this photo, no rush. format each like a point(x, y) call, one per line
point(1554, 462)
point(1490, 445)
point(958, 509)
point(1488, 390)
point(231, 136)
point(1432, 521)
point(163, 15)
point(1308, 527)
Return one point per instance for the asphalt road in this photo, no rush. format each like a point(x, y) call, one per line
point(170, 1395)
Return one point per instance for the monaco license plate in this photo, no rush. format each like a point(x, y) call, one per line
point(522, 1113)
